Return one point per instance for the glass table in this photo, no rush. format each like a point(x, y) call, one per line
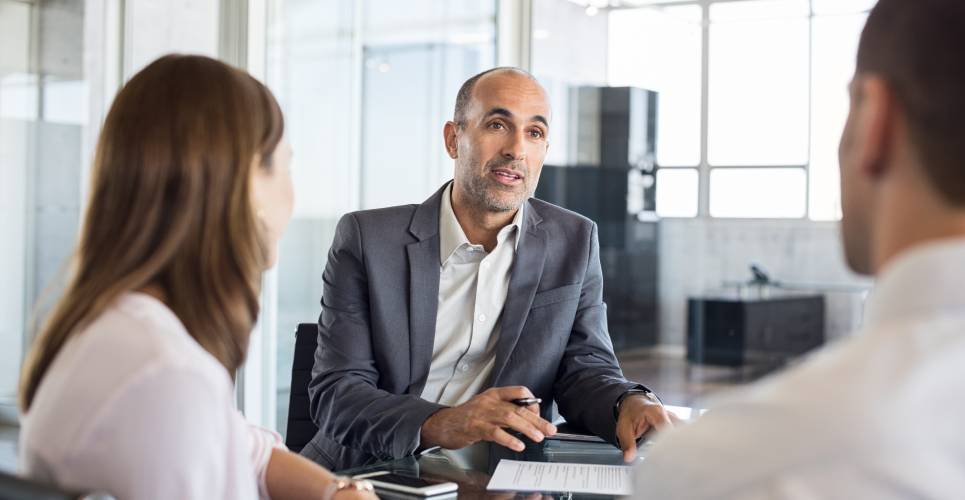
point(439, 466)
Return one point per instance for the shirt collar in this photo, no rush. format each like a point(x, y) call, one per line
point(927, 280)
point(451, 235)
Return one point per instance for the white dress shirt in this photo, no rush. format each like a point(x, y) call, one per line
point(472, 291)
point(134, 406)
point(877, 416)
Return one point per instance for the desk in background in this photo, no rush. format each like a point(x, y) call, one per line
point(760, 331)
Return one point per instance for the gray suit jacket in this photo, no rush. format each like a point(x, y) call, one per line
point(376, 329)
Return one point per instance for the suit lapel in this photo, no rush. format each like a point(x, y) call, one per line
point(423, 257)
point(523, 281)
point(423, 305)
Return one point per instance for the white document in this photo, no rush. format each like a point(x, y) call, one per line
point(512, 475)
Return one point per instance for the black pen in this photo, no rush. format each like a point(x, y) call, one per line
point(526, 401)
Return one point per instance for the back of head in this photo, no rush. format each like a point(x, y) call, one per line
point(918, 47)
point(170, 207)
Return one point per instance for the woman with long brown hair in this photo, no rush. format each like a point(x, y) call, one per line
point(128, 387)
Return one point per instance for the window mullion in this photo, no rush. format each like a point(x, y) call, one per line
point(703, 184)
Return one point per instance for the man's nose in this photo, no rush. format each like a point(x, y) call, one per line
point(515, 147)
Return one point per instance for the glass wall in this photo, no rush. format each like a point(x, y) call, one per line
point(17, 92)
point(61, 63)
point(43, 120)
point(366, 88)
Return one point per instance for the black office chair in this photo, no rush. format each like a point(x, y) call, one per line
point(301, 428)
point(17, 488)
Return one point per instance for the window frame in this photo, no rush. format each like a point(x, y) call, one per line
point(704, 168)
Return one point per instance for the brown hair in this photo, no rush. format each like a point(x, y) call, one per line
point(919, 48)
point(170, 206)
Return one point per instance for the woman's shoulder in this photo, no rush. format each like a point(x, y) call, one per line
point(140, 331)
point(132, 396)
point(134, 351)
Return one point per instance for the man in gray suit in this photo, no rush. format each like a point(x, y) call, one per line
point(436, 317)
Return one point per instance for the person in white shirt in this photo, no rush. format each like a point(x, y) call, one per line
point(877, 416)
point(128, 388)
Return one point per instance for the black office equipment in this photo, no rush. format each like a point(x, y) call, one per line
point(611, 180)
point(734, 332)
point(301, 428)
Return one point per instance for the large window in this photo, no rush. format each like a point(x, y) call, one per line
point(659, 49)
point(366, 87)
point(752, 100)
point(758, 75)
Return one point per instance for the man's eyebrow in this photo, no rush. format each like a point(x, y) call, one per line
point(509, 114)
point(501, 112)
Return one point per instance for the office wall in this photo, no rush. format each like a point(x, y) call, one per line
point(13, 151)
point(569, 49)
point(154, 28)
point(14, 38)
point(698, 255)
point(56, 205)
point(14, 35)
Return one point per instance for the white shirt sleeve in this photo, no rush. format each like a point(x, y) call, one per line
point(261, 443)
point(172, 432)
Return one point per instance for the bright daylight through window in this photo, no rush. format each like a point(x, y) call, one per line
point(777, 106)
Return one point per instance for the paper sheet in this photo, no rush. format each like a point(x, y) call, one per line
point(512, 475)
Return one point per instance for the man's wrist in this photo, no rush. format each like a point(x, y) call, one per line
point(645, 393)
point(426, 438)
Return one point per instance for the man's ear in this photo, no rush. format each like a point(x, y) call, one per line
point(875, 128)
point(450, 135)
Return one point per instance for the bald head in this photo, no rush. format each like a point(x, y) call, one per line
point(464, 97)
point(498, 139)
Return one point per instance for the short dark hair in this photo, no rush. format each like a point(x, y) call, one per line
point(918, 47)
point(465, 92)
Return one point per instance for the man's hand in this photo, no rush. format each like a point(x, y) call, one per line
point(638, 414)
point(354, 495)
point(485, 418)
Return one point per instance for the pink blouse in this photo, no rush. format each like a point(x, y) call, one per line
point(135, 407)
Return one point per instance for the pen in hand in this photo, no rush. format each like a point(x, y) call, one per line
point(526, 401)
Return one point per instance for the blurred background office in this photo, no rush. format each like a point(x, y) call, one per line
point(700, 134)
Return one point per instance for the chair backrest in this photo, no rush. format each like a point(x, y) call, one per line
point(19, 488)
point(301, 428)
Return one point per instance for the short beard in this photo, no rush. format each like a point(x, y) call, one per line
point(480, 191)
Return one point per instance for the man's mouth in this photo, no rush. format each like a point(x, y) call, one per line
point(506, 176)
